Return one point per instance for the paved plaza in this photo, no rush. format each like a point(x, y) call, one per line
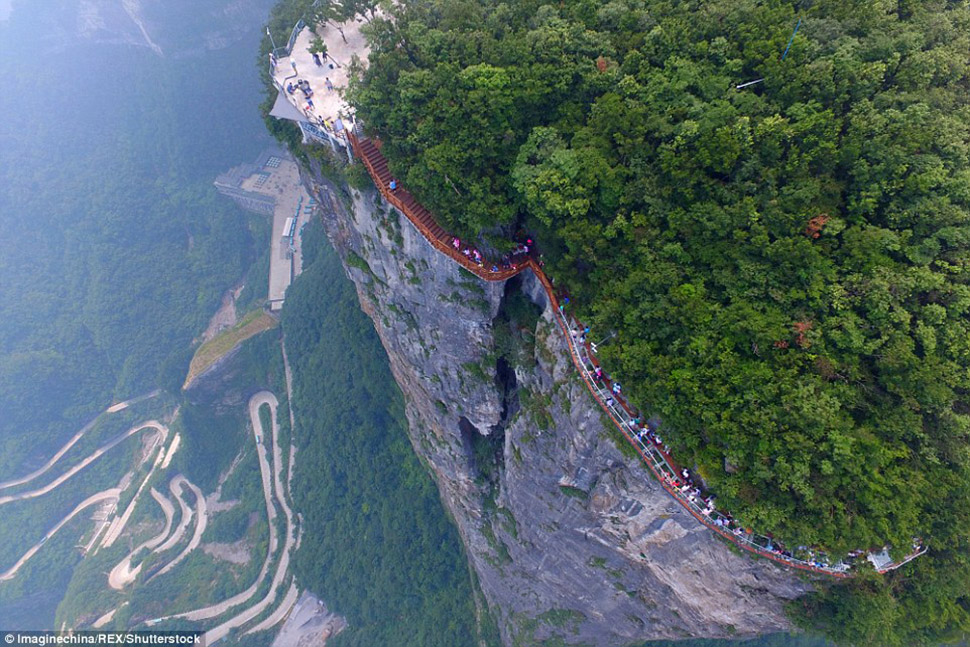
point(327, 105)
point(272, 186)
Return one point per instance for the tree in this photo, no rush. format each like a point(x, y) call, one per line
point(782, 264)
point(317, 46)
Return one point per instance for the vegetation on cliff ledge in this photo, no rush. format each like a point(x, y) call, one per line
point(784, 264)
point(378, 546)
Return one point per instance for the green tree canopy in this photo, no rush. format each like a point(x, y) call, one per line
point(784, 264)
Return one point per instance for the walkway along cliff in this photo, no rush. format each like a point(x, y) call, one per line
point(566, 537)
point(674, 480)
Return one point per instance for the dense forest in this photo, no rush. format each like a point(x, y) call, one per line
point(783, 263)
point(378, 547)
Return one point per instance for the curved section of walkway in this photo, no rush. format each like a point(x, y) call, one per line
point(659, 463)
point(111, 494)
point(664, 469)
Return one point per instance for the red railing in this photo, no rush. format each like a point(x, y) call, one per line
point(420, 217)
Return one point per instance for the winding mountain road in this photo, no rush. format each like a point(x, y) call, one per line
point(111, 494)
point(63, 450)
point(200, 524)
point(282, 568)
point(261, 398)
point(212, 611)
point(185, 516)
point(114, 530)
point(151, 424)
point(122, 574)
point(285, 607)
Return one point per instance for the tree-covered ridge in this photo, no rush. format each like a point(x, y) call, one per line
point(783, 264)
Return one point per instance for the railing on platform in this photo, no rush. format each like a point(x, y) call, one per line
point(658, 462)
point(297, 28)
point(283, 52)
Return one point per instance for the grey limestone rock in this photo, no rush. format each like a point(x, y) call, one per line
point(570, 538)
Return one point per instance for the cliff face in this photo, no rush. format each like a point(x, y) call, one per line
point(568, 537)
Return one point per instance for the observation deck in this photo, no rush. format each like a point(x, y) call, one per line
point(311, 87)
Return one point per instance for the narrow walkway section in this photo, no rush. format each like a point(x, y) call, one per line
point(676, 482)
point(441, 240)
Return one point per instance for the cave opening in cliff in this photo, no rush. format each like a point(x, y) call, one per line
point(485, 451)
point(514, 326)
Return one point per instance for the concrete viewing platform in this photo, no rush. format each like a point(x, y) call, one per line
point(325, 107)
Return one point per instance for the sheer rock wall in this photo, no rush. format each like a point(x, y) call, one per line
point(575, 540)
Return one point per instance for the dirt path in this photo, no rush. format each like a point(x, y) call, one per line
point(100, 497)
point(63, 450)
point(151, 424)
point(122, 574)
point(133, 9)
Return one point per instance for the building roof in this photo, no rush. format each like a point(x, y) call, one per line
point(234, 177)
point(881, 559)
